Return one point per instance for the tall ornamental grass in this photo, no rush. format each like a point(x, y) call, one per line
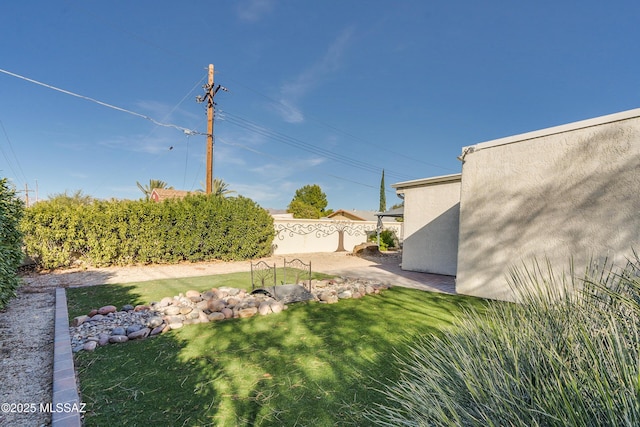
point(565, 355)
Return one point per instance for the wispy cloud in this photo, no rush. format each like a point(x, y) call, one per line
point(228, 155)
point(274, 184)
point(140, 143)
point(279, 171)
point(294, 90)
point(264, 194)
point(289, 112)
point(254, 10)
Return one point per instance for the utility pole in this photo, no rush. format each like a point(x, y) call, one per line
point(26, 194)
point(210, 114)
point(209, 93)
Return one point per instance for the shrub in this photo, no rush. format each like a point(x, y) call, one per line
point(11, 210)
point(388, 239)
point(566, 355)
point(102, 233)
point(308, 202)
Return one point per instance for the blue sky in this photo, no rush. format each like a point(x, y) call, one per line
point(320, 92)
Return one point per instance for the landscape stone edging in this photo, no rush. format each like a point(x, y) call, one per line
point(65, 389)
point(105, 325)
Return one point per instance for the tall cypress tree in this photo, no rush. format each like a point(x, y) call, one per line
point(383, 196)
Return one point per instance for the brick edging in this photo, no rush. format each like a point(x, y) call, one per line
point(65, 390)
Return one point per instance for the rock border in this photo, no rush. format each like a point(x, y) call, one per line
point(108, 325)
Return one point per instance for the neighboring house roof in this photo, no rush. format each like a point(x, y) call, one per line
point(160, 194)
point(353, 215)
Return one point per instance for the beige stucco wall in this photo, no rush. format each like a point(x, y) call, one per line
point(568, 191)
point(297, 236)
point(431, 215)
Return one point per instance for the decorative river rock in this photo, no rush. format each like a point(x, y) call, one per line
point(108, 325)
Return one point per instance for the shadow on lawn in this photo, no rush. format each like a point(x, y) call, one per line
point(144, 383)
point(313, 364)
point(82, 299)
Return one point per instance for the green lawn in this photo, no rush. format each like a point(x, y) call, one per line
point(313, 364)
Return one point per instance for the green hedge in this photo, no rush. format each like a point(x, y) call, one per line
point(102, 233)
point(11, 210)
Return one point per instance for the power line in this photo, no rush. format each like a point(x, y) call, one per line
point(297, 143)
point(177, 54)
point(186, 164)
point(12, 152)
point(104, 104)
point(345, 133)
point(350, 180)
point(395, 153)
point(231, 118)
point(156, 157)
point(253, 150)
point(245, 147)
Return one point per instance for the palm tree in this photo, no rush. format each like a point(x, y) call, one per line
point(153, 183)
point(218, 188)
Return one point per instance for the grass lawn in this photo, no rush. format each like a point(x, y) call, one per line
point(311, 365)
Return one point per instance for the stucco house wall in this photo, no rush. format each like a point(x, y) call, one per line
point(563, 192)
point(431, 218)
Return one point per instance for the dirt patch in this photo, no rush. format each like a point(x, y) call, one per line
point(26, 356)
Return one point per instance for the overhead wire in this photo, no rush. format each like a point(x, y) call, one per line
point(350, 180)
point(246, 124)
point(368, 143)
point(253, 150)
point(378, 146)
point(186, 164)
point(334, 128)
point(166, 117)
point(104, 104)
point(162, 153)
point(188, 132)
point(302, 145)
point(246, 147)
point(197, 175)
point(6, 135)
point(178, 54)
point(231, 78)
point(233, 119)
